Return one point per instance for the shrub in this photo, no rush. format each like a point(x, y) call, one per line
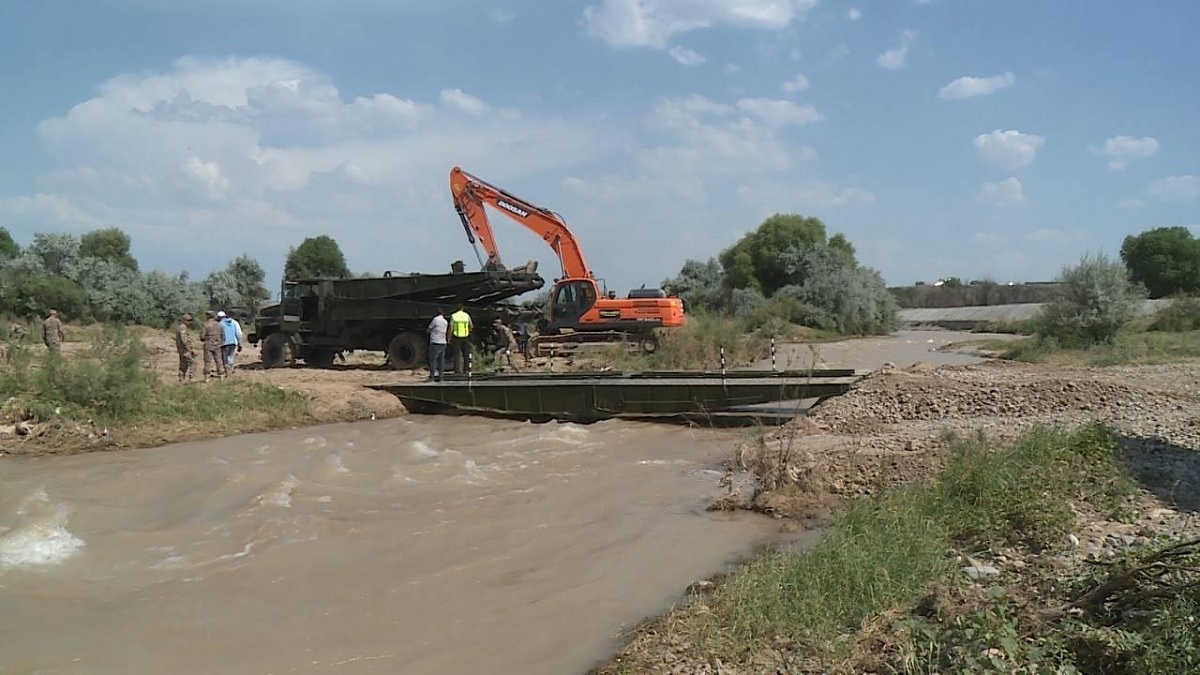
point(848, 298)
point(1181, 315)
point(1096, 300)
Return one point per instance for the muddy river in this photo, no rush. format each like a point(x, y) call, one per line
point(419, 545)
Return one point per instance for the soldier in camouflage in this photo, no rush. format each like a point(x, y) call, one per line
point(185, 344)
point(52, 332)
point(212, 337)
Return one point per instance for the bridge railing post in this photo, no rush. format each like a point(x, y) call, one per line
point(722, 365)
point(773, 368)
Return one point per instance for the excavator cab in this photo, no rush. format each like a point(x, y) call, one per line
point(572, 299)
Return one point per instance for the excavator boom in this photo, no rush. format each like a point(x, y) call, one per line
point(472, 194)
point(577, 304)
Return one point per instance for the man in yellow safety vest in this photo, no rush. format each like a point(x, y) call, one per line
point(460, 334)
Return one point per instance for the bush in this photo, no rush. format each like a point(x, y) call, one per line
point(850, 299)
point(1180, 316)
point(1096, 300)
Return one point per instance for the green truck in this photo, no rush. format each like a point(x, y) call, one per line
point(316, 319)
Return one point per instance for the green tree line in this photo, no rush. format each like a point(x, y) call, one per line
point(95, 277)
point(789, 269)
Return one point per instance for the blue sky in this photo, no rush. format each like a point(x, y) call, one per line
point(979, 139)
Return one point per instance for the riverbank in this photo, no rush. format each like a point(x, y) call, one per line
point(860, 465)
point(120, 390)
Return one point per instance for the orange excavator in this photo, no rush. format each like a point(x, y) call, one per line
point(579, 307)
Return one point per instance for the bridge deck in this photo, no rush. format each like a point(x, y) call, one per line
point(594, 396)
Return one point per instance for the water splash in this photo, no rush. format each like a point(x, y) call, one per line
point(40, 537)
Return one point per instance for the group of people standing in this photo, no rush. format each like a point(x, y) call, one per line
point(454, 336)
point(221, 339)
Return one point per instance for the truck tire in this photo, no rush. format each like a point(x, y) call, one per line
point(319, 358)
point(648, 344)
point(407, 351)
point(275, 350)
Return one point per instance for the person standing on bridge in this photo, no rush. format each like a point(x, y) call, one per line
point(437, 347)
point(460, 337)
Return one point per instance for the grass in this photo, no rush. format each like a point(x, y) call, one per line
point(111, 383)
point(1134, 346)
point(698, 345)
point(839, 606)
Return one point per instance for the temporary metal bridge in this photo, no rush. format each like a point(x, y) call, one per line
point(713, 396)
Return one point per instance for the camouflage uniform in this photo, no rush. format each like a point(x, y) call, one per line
point(212, 337)
point(52, 332)
point(185, 344)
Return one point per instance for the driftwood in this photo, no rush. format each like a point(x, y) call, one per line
point(1163, 574)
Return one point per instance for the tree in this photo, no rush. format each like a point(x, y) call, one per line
point(171, 297)
point(316, 257)
point(1166, 260)
point(838, 293)
point(114, 292)
point(109, 244)
point(8, 247)
point(240, 284)
point(56, 251)
point(699, 285)
point(248, 277)
point(754, 261)
point(1095, 301)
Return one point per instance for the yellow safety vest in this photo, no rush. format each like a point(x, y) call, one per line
point(460, 324)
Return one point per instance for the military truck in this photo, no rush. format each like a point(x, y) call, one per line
point(318, 318)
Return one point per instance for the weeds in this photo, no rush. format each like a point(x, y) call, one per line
point(111, 383)
point(1129, 347)
point(886, 552)
point(1182, 315)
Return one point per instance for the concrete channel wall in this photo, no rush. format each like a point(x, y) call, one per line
point(971, 317)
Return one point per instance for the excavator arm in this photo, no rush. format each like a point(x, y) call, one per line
point(471, 195)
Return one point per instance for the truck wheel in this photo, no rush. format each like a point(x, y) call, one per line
point(407, 351)
point(275, 350)
point(648, 344)
point(319, 358)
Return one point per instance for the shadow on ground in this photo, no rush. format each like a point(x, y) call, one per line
point(336, 367)
point(1171, 472)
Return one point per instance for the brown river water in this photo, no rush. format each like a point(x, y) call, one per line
point(412, 545)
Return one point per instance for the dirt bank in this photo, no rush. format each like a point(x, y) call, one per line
point(893, 427)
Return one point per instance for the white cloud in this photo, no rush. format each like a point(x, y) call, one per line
point(802, 195)
point(463, 102)
point(778, 113)
point(1176, 188)
point(688, 57)
point(707, 137)
point(652, 23)
point(500, 16)
point(854, 14)
point(1007, 192)
point(897, 57)
point(1009, 149)
point(798, 83)
point(267, 151)
point(53, 208)
point(968, 87)
point(1044, 234)
point(1123, 150)
point(731, 69)
point(208, 176)
point(837, 53)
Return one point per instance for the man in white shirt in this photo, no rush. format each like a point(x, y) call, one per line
point(437, 347)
